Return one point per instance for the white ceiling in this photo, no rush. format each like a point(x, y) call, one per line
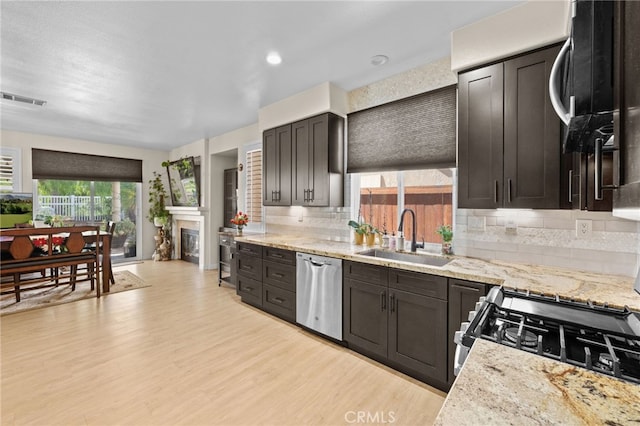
point(163, 74)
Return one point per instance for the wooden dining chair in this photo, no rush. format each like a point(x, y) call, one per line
point(110, 228)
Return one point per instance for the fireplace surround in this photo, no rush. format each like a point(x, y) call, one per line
point(189, 218)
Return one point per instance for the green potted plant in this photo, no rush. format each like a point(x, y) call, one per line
point(359, 231)
point(158, 214)
point(446, 233)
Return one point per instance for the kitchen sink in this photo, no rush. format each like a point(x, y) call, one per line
point(406, 257)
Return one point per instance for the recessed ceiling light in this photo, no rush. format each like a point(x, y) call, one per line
point(274, 58)
point(379, 60)
point(19, 98)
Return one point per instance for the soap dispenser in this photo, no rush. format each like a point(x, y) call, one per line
point(400, 242)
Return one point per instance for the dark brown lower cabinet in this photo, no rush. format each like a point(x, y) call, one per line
point(463, 296)
point(365, 316)
point(250, 290)
point(279, 302)
point(404, 329)
point(417, 333)
point(266, 278)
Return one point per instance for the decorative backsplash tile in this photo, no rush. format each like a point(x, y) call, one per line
point(549, 238)
point(327, 223)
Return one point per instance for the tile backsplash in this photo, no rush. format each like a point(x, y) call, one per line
point(326, 223)
point(543, 237)
point(550, 237)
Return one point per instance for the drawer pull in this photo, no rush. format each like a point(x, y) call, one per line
point(277, 255)
point(278, 300)
point(277, 275)
point(383, 301)
point(248, 288)
point(247, 267)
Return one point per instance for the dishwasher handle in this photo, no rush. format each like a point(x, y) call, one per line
point(313, 262)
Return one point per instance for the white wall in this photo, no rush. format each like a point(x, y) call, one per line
point(324, 97)
point(151, 161)
point(534, 24)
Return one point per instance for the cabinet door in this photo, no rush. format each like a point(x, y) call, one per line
point(480, 137)
point(463, 296)
point(418, 333)
point(310, 140)
point(532, 143)
point(302, 158)
point(269, 167)
point(319, 163)
point(365, 316)
point(276, 166)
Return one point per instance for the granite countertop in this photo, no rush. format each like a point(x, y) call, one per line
point(502, 385)
point(615, 290)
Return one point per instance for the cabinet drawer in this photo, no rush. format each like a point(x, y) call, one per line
point(283, 276)
point(249, 249)
point(286, 257)
point(250, 267)
point(415, 282)
point(372, 274)
point(279, 302)
point(249, 290)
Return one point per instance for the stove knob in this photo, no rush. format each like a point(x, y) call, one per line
point(464, 326)
point(478, 304)
point(457, 337)
point(482, 299)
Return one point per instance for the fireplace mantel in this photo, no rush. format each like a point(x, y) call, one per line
point(187, 211)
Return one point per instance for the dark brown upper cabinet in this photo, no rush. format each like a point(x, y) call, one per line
point(303, 163)
point(318, 161)
point(276, 166)
point(508, 135)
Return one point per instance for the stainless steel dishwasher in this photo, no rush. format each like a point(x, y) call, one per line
point(319, 294)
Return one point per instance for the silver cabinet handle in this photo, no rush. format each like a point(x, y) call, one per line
point(509, 190)
point(495, 192)
point(570, 186)
point(599, 185)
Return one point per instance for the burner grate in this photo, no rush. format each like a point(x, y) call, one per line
point(599, 350)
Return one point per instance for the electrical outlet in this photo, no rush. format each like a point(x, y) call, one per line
point(584, 228)
point(511, 227)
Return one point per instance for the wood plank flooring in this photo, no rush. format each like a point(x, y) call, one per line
point(187, 352)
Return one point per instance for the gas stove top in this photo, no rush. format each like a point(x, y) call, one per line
point(595, 337)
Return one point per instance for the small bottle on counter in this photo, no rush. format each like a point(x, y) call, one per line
point(392, 241)
point(400, 242)
point(385, 240)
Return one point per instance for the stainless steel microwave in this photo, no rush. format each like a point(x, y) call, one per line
point(581, 84)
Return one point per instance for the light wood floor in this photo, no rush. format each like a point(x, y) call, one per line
point(187, 352)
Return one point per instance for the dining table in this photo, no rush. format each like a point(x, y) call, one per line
point(104, 239)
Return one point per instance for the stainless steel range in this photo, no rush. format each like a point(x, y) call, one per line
point(595, 337)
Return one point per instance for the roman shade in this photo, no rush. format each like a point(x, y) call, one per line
point(418, 132)
point(61, 165)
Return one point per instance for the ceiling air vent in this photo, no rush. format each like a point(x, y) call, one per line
point(24, 99)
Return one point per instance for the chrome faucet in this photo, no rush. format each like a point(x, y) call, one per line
point(414, 245)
